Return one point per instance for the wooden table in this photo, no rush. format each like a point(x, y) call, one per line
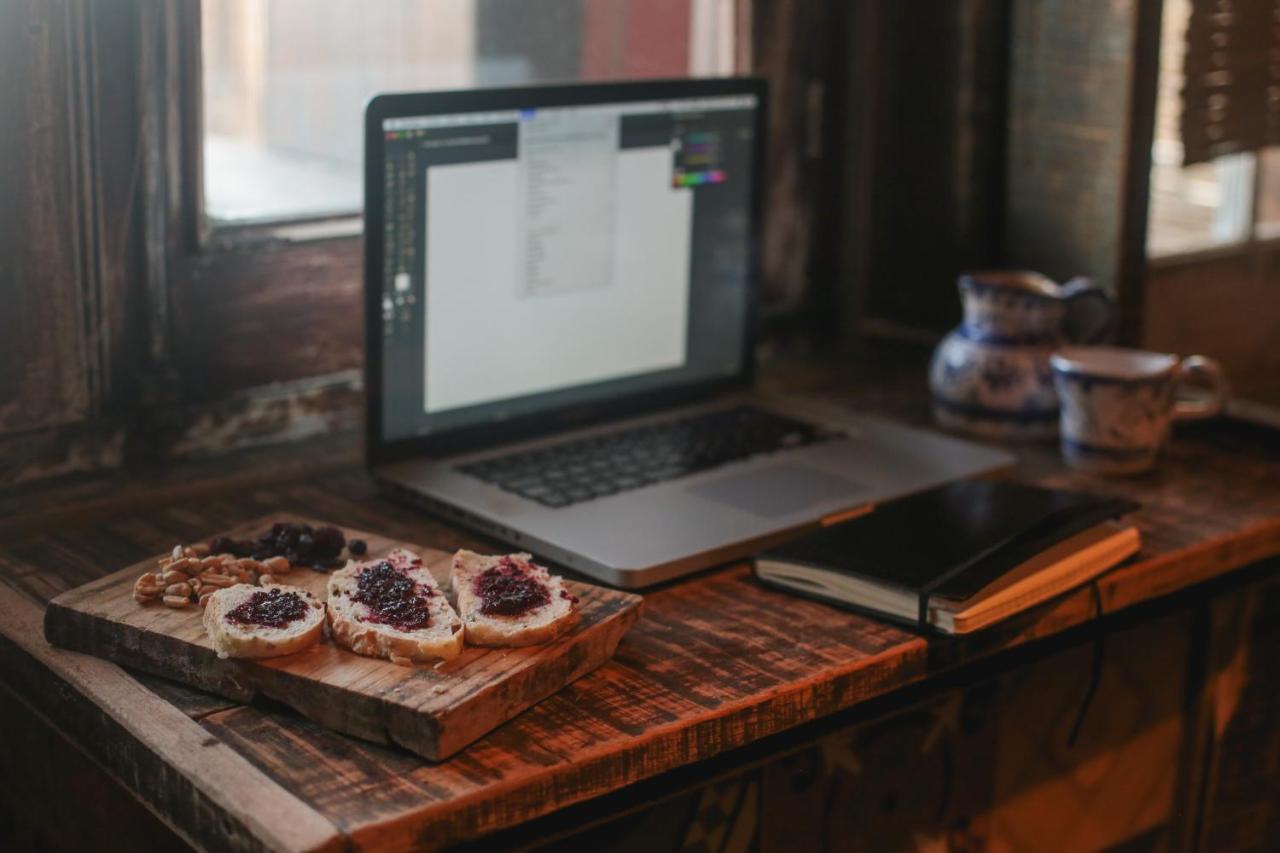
point(716, 670)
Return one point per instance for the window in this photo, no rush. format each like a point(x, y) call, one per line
point(1268, 206)
point(285, 81)
point(1228, 202)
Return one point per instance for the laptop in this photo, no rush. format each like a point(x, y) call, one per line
point(560, 290)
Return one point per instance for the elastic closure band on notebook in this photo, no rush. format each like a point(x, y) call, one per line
point(1095, 667)
point(922, 614)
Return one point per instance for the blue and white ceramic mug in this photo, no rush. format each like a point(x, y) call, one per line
point(1117, 404)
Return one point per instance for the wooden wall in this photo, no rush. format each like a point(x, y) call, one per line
point(1068, 139)
point(925, 137)
point(1226, 307)
point(41, 326)
point(68, 262)
point(993, 134)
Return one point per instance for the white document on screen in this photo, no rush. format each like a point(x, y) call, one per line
point(565, 267)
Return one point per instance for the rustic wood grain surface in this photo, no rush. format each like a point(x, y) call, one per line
point(432, 710)
point(715, 663)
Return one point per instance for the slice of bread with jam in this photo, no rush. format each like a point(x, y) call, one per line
point(246, 621)
point(510, 600)
point(393, 608)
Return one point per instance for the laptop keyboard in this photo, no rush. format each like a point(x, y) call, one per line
point(601, 465)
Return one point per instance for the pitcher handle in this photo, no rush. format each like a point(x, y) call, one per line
point(1091, 315)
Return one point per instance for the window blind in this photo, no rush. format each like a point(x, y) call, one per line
point(1231, 84)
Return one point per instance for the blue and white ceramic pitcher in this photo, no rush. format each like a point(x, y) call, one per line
point(991, 374)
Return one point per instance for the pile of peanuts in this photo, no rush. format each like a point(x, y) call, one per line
point(190, 574)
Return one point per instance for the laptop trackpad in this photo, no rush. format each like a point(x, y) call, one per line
point(778, 489)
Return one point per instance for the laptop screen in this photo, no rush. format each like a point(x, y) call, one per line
point(553, 256)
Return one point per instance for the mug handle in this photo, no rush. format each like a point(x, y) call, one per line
point(1091, 315)
point(1210, 370)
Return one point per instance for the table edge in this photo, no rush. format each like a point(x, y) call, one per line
point(221, 780)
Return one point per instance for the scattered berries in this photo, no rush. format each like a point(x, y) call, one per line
point(300, 544)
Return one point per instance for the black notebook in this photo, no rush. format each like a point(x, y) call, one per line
point(958, 557)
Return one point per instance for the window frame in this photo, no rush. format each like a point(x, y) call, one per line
point(188, 204)
point(1253, 245)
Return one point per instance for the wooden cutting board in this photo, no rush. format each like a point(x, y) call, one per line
point(432, 710)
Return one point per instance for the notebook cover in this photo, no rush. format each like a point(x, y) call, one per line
point(954, 540)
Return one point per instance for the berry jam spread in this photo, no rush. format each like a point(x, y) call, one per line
point(270, 609)
point(393, 597)
point(508, 590)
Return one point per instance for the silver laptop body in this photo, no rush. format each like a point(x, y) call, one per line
point(563, 264)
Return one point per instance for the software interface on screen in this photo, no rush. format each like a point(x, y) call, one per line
point(542, 257)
